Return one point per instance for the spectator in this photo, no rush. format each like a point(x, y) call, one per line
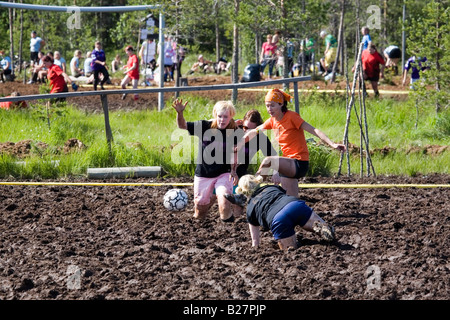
point(417, 65)
point(272, 209)
point(57, 78)
point(9, 105)
point(36, 44)
point(202, 64)
point(36, 69)
point(131, 72)
point(147, 52)
point(5, 66)
point(371, 62)
point(330, 51)
point(98, 65)
point(268, 56)
point(213, 170)
point(289, 132)
point(222, 65)
point(60, 61)
point(42, 74)
point(366, 39)
point(174, 57)
point(290, 55)
point(181, 57)
point(392, 54)
point(87, 64)
point(280, 61)
point(116, 63)
point(168, 62)
point(75, 64)
point(307, 48)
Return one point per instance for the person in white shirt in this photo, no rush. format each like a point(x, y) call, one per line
point(59, 61)
point(148, 51)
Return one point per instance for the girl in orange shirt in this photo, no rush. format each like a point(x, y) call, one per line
point(289, 130)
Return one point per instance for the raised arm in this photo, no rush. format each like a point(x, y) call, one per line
point(179, 108)
point(322, 136)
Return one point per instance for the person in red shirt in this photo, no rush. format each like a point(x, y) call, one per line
point(288, 127)
point(268, 56)
point(371, 62)
point(8, 105)
point(58, 79)
point(131, 71)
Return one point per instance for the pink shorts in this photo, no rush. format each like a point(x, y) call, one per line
point(204, 187)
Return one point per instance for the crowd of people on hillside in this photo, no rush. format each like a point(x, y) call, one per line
point(95, 70)
point(374, 63)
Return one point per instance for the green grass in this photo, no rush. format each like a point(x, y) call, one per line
point(150, 138)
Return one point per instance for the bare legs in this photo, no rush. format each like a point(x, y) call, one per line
point(284, 166)
point(225, 207)
point(315, 224)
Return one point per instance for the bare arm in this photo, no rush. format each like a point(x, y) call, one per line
point(248, 136)
point(405, 74)
point(132, 68)
point(322, 136)
point(179, 107)
point(66, 77)
point(255, 234)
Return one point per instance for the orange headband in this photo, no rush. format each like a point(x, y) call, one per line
point(278, 96)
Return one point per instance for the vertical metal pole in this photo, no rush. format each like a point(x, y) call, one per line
point(403, 40)
point(161, 60)
point(297, 105)
point(109, 136)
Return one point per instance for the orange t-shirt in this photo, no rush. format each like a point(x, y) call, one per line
point(289, 135)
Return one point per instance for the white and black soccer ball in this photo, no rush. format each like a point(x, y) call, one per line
point(175, 200)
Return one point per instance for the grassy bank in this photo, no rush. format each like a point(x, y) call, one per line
point(150, 138)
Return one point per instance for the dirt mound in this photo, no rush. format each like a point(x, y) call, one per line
point(26, 148)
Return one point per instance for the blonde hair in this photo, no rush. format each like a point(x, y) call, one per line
point(248, 184)
point(76, 53)
point(224, 105)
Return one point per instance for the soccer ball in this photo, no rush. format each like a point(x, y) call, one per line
point(175, 200)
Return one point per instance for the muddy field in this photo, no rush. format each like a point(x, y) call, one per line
point(119, 242)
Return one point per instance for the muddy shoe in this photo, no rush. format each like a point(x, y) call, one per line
point(238, 199)
point(324, 230)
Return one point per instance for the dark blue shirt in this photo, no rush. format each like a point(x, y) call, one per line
point(97, 55)
point(265, 203)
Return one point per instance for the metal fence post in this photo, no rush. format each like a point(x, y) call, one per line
point(161, 60)
point(109, 136)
